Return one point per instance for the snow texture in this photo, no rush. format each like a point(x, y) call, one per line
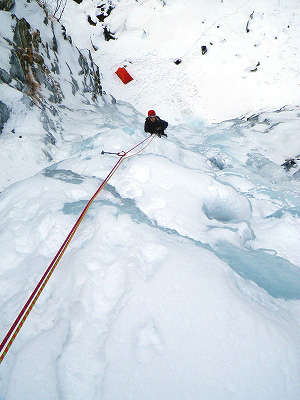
point(251, 61)
point(183, 280)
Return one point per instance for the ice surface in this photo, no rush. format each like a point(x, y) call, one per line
point(276, 275)
point(182, 281)
point(179, 270)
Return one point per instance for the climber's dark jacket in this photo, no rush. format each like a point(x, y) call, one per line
point(157, 126)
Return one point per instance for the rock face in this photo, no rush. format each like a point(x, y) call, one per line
point(44, 65)
point(4, 115)
point(6, 5)
point(31, 68)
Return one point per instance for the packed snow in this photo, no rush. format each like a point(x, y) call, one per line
point(252, 59)
point(183, 280)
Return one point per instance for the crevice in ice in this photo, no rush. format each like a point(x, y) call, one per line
point(63, 175)
point(279, 277)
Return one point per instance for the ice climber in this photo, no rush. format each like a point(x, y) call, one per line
point(155, 125)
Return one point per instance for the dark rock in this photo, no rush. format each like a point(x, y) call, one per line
point(105, 11)
point(56, 62)
point(28, 66)
point(48, 155)
point(93, 45)
point(84, 65)
point(4, 76)
point(49, 126)
point(54, 41)
point(65, 36)
point(46, 15)
point(16, 71)
point(34, 66)
point(203, 50)
point(254, 68)
point(107, 34)
point(6, 5)
point(22, 36)
point(27, 101)
point(46, 46)
point(56, 95)
point(55, 68)
point(178, 61)
point(218, 162)
point(95, 78)
point(53, 110)
point(289, 163)
point(49, 138)
point(75, 86)
point(78, 1)
point(4, 115)
point(90, 21)
point(91, 75)
point(25, 61)
point(36, 40)
point(247, 26)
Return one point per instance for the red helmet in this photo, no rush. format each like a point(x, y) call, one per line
point(151, 113)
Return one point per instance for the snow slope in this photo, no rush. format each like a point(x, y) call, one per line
point(146, 303)
point(224, 83)
point(183, 280)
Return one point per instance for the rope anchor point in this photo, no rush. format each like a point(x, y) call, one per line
point(120, 153)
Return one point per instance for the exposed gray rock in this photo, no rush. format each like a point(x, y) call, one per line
point(35, 70)
point(31, 73)
point(49, 126)
point(49, 138)
point(247, 26)
point(4, 115)
point(54, 41)
point(296, 175)
point(28, 65)
point(75, 86)
point(6, 5)
point(27, 101)
point(91, 79)
point(16, 71)
point(22, 36)
point(218, 162)
point(4, 76)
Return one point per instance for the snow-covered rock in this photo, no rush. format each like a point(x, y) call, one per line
point(42, 74)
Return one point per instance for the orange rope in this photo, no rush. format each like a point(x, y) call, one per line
point(18, 323)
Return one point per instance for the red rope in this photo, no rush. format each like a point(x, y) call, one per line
point(16, 326)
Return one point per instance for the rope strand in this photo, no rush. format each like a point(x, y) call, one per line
point(21, 318)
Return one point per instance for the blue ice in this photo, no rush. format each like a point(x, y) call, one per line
point(276, 275)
